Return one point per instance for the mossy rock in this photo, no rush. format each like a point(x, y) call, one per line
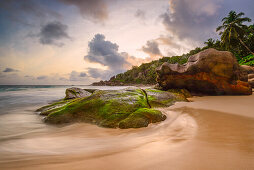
point(159, 98)
point(46, 110)
point(127, 108)
point(74, 92)
point(104, 107)
point(141, 118)
point(90, 90)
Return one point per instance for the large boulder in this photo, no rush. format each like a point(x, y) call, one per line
point(127, 108)
point(208, 72)
point(74, 92)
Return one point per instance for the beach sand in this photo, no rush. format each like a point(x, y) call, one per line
point(211, 132)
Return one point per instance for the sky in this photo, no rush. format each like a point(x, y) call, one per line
point(77, 42)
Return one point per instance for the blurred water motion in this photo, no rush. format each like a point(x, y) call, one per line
point(191, 137)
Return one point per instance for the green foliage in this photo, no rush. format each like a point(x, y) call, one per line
point(234, 33)
point(249, 60)
point(210, 43)
point(146, 72)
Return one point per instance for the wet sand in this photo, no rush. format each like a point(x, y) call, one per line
point(213, 132)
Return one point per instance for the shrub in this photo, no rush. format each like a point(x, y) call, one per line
point(248, 60)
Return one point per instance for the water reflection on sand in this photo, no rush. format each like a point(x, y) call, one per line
point(199, 135)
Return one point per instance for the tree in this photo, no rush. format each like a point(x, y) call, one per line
point(233, 29)
point(210, 42)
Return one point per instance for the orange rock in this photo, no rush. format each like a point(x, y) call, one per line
point(208, 72)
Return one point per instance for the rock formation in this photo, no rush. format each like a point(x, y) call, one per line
point(208, 72)
point(128, 108)
point(74, 92)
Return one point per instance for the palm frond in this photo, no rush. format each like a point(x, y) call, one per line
point(219, 28)
point(240, 14)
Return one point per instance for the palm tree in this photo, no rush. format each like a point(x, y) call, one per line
point(210, 42)
point(233, 28)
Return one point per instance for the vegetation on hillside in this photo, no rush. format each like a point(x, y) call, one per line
point(249, 60)
point(235, 37)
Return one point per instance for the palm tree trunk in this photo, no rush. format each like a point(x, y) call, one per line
point(241, 41)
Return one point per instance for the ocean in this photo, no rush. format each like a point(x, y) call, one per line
point(13, 97)
point(19, 102)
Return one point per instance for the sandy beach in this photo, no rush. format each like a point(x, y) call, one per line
point(211, 132)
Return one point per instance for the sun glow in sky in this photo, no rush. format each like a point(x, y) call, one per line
point(80, 42)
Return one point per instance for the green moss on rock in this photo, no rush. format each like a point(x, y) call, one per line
point(159, 98)
point(104, 108)
point(46, 110)
point(128, 108)
point(141, 118)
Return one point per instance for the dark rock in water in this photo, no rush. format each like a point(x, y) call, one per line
point(74, 92)
point(208, 72)
point(127, 108)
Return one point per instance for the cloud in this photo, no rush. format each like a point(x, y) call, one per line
point(82, 74)
point(77, 76)
point(105, 53)
point(52, 33)
point(95, 10)
point(18, 11)
point(152, 48)
point(140, 14)
point(28, 76)
point(42, 77)
point(169, 41)
point(8, 70)
point(96, 73)
point(100, 73)
point(63, 79)
point(193, 19)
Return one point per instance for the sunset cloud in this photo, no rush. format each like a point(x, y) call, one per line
point(152, 48)
point(96, 10)
point(77, 76)
point(105, 53)
point(53, 33)
point(194, 19)
point(42, 77)
point(17, 11)
point(140, 14)
point(8, 70)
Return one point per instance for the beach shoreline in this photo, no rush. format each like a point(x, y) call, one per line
point(209, 130)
